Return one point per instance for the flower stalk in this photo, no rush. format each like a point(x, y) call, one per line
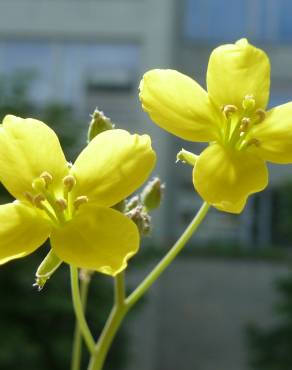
point(78, 308)
point(123, 305)
point(77, 341)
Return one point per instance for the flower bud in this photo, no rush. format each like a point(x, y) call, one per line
point(141, 218)
point(99, 123)
point(152, 194)
point(46, 269)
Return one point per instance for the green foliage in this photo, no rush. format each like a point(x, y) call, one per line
point(37, 327)
point(271, 348)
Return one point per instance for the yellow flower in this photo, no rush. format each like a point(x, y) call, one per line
point(70, 203)
point(231, 116)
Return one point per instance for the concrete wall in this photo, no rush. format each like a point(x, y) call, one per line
point(194, 316)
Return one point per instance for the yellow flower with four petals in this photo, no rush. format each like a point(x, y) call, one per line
point(231, 115)
point(71, 204)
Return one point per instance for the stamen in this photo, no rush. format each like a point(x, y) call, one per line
point(245, 122)
point(79, 201)
point(28, 196)
point(62, 204)
point(229, 109)
point(261, 115)
point(38, 199)
point(69, 182)
point(47, 177)
point(253, 141)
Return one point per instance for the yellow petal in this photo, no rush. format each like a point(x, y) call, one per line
point(27, 149)
point(237, 70)
point(275, 135)
point(98, 238)
point(112, 166)
point(22, 231)
point(225, 178)
point(178, 104)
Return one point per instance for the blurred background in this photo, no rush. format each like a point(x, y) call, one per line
point(226, 303)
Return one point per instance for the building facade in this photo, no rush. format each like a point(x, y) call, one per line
point(94, 52)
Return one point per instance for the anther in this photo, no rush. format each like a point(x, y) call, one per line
point(61, 203)
point(28, 196)
point(38, 199)
point(261, 115)
point(253, 141)
point(229, 109)
point(47, 177)
point(245, 122)
point(80, 200)
point(248, 102)
point(69, 182)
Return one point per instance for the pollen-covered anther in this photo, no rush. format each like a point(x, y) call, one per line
point(229, 109)
point(245, 122)
point(80, 200)
point(248, 102)
point(38, 199)
point(48, 178)
point(69, 182)
point(62, 204)
point(253, 141)
point(261, 115)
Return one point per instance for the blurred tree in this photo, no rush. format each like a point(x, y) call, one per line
point(36, 329)
point(282, 214)
point(271, 348)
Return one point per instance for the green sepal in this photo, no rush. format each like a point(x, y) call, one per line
point(46, 269)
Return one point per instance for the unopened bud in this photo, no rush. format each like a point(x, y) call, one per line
point(186, 157)
point(141, 219)
point(152, 194)
point(99, 123)
point(46, 269)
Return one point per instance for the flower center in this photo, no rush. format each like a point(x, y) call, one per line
point(58, 209)
point(239, 123)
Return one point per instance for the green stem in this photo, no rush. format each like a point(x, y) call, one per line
point(112, 325)
point(122, 305)
point(77, 342)
point(79, 309)
point(170, 256)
